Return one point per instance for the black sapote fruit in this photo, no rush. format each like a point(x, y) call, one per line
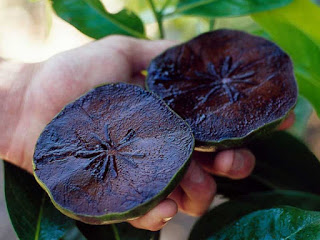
point(228, 85)
point(112, 155)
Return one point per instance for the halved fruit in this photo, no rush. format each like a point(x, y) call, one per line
point(228, 85)
point(112, 155)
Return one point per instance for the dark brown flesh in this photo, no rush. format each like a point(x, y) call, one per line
point(112, 150)
point(226, 84)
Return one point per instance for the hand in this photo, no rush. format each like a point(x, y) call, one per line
point(35, 93)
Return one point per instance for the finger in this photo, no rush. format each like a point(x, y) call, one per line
point(66, 76)
point(139, 53)
point(155, 219)
point(117, 57)
point(196, 191)
point(234, 164)
point(288, 122)
point(110, 60)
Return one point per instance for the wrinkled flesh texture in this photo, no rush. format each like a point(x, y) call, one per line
point(111, 150)
point(225, 84)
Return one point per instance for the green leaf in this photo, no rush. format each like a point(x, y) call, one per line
point(227, 8)
point(32, 214)
point(282, 162)
point(274, 224)
point(303, 111)
point(306, 21)
point(119, 231)
point(73, 234)
point(316, 2)
point(297, 33)
point(229, 212)
point(92, 19)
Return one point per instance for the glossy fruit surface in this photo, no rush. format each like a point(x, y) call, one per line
point(226, 84)
point(113, 154)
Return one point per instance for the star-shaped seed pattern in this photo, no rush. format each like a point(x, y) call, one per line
point(224, 81)
point(104, 158)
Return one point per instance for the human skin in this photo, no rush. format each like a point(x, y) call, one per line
point(32, 94)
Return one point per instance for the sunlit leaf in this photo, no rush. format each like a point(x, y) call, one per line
point(303, 14)
point(91, 18)
point(296, 31)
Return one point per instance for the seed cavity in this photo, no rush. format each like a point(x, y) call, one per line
point(104, 158)
point(222, 81)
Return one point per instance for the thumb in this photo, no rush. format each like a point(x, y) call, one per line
point(139, 53)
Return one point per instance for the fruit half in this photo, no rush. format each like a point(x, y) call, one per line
point(228, 85)
point(112, 155)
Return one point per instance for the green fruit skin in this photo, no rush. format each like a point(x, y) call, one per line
point(236, 142)
point(212, 146)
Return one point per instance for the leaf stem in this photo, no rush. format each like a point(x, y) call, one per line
point(212, 22)
point(158, 17)
point(187, 7)
point(264, 182)
point(156, 236)
point(165, 5)
point(38, 227)
point(115, 231)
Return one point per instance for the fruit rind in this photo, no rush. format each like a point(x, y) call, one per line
point(142, 208)
point(241, 141)
point(213, 146)
point(124, 216)
point(171, 67)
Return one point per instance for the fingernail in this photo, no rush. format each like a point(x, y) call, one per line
point(167, 219)
point(238, 161)
point(197, 175)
